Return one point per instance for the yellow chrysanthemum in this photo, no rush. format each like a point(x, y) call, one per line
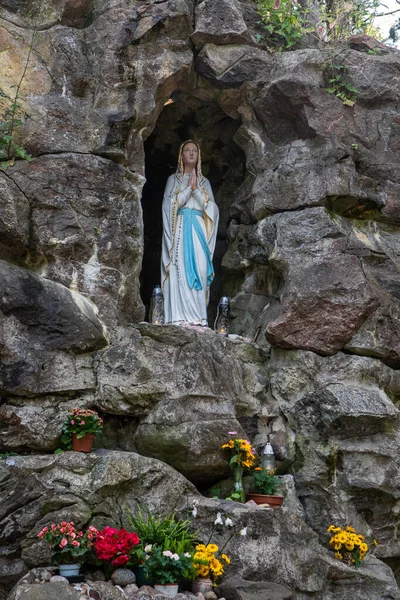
point(364, 548)
point(350, 529)
point(200, 547)
point(212, 548)
point(226, 559)
point(349, 546)
point(338, 555)
point(330, 528)
point(342, 538)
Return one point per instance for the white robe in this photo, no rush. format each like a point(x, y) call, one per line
point(183, 305)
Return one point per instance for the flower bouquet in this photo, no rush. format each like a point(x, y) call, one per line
point(243, 455)
point(81, 424)
point(349, 546)
point(68, 545)
point(115, 545)
point(206, 561)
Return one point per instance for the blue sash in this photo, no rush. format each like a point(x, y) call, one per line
point(190, 222)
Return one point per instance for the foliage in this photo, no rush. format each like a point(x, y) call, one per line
point(11, 123)
point(265, 481)
point(164, 566)
point(340, 19)
point(206, 561)
point(5, 455)
point(165, 532)
point(115, 545)
point(347, 541)
point(68, 545)
point(81, 421)
point(339, 86)
point(285, 22)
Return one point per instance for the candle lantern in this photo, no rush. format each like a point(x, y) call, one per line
point(156, 315)
point(221, 324)
point(268, 458)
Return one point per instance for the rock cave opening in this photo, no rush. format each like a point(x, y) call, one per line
point(223, 163)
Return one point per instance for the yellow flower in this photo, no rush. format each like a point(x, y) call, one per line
point(226, 559)
point(337, 546)
point(330, 528)
point(375, 542)
point(338, 555)
point(200, 547)
point(349, 546)
point(364, 548)
point(257, 468)
point(342, 538)
point(212, 548)
point(351, 529)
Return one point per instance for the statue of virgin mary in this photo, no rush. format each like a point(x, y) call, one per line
point(190, 223)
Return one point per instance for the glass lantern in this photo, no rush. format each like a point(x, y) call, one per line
point(268, 458)
point(221, 324)
point(156, 315)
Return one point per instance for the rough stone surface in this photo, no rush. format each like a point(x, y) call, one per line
point(308, 251)
point(123, 577)
point(239, 589)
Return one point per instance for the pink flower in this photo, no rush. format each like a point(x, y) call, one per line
point(72, 422)
point(75, 543)
point(82, 422)
point(232, 432)
point(63, 543)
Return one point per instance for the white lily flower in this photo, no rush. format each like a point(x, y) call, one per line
point(218, 520)
point(243, 531)
point(228, 522)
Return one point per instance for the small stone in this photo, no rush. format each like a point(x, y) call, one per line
point(46, 575)
point(200, 596)
point(123, 577)
point(210, 596)
point(98, 576)
point(36, 580)
point(130, 590)
point(58, 579)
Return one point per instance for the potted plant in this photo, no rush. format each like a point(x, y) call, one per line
point(80, 427)
point(166, 532)
point(264, 488)
point(349, 546)
point(166, 568)
point(68, 545)
point(114, 546)
point(243, 456)
point(208, 567)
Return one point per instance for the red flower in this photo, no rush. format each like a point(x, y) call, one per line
point(120, 561)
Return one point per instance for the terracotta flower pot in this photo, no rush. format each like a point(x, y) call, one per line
point(273, 501)
point(83, 444)
point(202, 584)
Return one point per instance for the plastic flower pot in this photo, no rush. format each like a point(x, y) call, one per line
point(168, 589)
point(83, 444)
point(69, 570)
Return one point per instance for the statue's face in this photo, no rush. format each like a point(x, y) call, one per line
point(190, 154)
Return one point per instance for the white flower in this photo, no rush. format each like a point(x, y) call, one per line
point(243, 531)
point(218, 520)
point(187, 554)
point(148, 548)
point(228, 522)
point(175, 556)
point(194, 511)
point(167, 553)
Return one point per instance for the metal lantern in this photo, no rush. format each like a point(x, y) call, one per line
point(268, 458)
point(156, 315)
point(221, 324)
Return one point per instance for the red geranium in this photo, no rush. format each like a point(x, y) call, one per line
point(114, 545)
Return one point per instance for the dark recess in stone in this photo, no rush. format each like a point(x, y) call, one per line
point(223, 163)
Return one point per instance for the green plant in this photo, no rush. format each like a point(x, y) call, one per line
point(285, 22)
point(10, 122)
point(164, 566)
point(339, 86)
point(167, 532)
point(80, 421)
point(340, 19)
point(5, 455)
point(265, 481)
